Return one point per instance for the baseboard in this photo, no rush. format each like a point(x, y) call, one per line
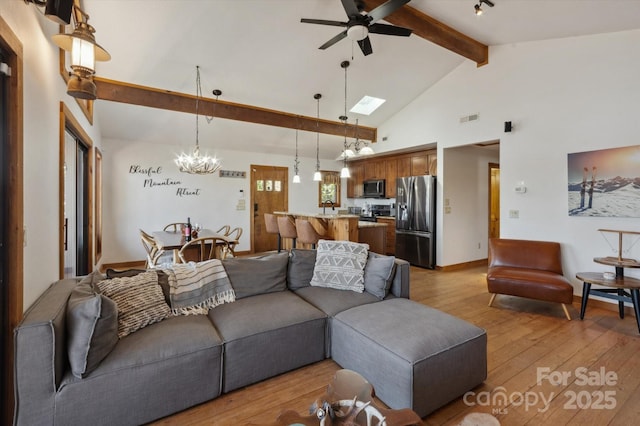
point(464, 265)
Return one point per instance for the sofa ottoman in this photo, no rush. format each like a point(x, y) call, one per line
point(415, 356)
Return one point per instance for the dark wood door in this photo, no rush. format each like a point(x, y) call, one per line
point(269, 193)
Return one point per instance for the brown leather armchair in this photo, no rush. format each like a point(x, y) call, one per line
point(531, 269)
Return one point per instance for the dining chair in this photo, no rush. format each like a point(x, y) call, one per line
point(151, 249)
point(208, 248)
point(234, 237)
point(271, 226)
point(224, 230)
point(174, 227)
point(287, 228)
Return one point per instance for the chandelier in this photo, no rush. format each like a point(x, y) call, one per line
point(195, 163)
point(360, 147)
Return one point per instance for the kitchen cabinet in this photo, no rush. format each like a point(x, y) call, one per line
point(424, 164)
point(354, 183)
point(374, 170)
point(391, 233)
point(390, 168)
point(419, 165)
point(432, 161)
point(404, 166)
point(391, 174)
point(374, 234)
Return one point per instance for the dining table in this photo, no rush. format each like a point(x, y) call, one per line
point(169, 240)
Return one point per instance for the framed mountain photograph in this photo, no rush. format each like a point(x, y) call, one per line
point(605, 183)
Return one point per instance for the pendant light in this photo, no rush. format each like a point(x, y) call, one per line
point(344, 173)
point(296, 163)
point(317, 176)
point(195, 163)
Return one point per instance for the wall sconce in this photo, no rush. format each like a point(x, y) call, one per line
point(84, 52)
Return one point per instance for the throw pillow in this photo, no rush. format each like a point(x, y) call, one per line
point(92, 327)
point(163, 279)
point(139, 299)
point(252, 276)
point(340, 265)
point(378, 274)
point(301, 263)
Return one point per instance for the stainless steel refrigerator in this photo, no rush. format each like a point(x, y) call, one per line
point(416, 220)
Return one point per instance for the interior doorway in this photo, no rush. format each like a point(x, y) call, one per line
point(269, 193)
point(76, 198)
point(494, 200)
point(76, 207)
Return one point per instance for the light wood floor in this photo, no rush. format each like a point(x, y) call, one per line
point(523, 336)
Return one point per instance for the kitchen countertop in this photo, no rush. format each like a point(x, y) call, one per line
point(362, 224)
point(319, 215)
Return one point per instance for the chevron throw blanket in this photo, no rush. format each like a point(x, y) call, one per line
point(197, 287)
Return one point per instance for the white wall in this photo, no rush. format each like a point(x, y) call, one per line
point(43, 91)
point(465, 183)
point(563, 96)
point(129, 205)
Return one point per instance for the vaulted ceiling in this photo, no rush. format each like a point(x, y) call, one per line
point(259, 54)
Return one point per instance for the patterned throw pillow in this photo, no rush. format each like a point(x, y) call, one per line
point(139, 299)
point(340, 265)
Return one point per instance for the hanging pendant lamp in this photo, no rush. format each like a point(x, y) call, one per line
point(317, 176)
point(344, 173)
point(195, 163)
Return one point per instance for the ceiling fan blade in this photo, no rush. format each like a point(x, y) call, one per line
point(350, 7)
point(389, 30)
point(323, 22)
point(334, 40)
point(365, 46)
point(386, 9)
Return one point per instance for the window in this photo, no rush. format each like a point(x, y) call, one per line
point(329, 188)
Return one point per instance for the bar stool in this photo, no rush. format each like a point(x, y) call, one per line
point(307, 234)
point(271, 224)
point(287, 228)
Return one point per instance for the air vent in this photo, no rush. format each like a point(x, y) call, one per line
point(472, 117)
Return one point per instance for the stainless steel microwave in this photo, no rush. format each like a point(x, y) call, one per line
point(374, 188)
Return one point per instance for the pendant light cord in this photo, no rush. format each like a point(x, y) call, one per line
point(198, 94)
point(318, 136)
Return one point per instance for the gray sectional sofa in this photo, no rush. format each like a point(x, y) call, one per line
point(278, 322)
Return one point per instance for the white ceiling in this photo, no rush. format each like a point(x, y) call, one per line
point(258, 53)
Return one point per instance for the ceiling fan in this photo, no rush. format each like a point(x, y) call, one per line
point(360, 24)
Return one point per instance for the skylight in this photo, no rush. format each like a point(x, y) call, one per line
point(367, 105)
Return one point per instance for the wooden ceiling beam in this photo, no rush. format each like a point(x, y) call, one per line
point(435, 31)
point(117, 91)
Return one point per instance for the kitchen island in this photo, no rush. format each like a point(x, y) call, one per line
point(345, 227)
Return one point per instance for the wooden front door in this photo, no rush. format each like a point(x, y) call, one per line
point(494, 200)
point(269, 193)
